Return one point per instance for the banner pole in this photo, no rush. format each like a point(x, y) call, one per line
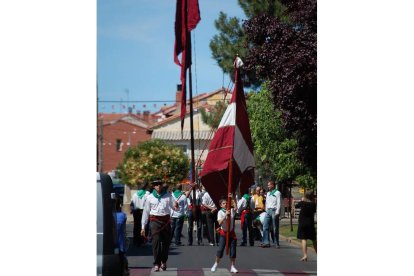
point(229, 197)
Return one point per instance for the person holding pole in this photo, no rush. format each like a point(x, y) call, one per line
point(222, 215)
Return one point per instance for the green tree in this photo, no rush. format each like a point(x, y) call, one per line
point(276, 154)
point(213, 117)
point(284, 54)
point(152, 160)
point(231, 40)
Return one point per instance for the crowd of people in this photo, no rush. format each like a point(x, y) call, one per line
point(159, 215)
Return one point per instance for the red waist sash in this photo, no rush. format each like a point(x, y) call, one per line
point(242, 217)
point(232, 234)
point(165, 218)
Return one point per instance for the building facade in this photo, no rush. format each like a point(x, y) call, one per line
point(116, 133)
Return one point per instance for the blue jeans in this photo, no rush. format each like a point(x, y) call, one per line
point(222, 245)
point(176, 229)
point(271, 219)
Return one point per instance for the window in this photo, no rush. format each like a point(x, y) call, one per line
point(118, 145)
point(183, 148)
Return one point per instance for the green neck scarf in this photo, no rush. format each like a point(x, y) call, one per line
point(177, 193)
point(224, 210)
point(246, 197)
point(272, 193)
point(154, 193)
point(140, 193)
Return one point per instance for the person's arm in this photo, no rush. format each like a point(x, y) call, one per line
point(185, 206)
point(252, 203)
point(145, 216)
point(187, 193)
point(240, 204)
point(173, 203)
point(278, 199)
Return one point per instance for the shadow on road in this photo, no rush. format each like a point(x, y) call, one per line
point(146, 250)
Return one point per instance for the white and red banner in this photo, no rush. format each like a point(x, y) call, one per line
point(231, 141)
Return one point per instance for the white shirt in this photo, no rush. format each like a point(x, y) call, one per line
point(261, 217)
point(242, 204)
point(198, 197)
point(182, 206)
point(207, 201)
point(157, 207)
point(273, 201)
point(139, 203)
point(222, 215)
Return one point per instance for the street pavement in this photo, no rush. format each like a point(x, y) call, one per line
point(197, 260)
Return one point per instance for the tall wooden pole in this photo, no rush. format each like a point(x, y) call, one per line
point(229, 197)
point(190, 79)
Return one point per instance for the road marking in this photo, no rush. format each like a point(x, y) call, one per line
point(219, 272)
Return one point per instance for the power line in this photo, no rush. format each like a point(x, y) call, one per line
point(152, 101)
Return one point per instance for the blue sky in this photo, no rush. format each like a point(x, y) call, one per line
point(135, 43)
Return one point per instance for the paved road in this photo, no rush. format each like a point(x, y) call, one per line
point(197, 260)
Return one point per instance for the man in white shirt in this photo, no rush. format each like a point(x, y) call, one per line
point(210, 211)
point(194, 216)
point(245, 207)
point(178, 215)
point(158, 210)
point(137, 206)
point(272, 207)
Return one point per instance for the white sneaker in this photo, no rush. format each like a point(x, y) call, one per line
point(233, 269)
point(213, 269)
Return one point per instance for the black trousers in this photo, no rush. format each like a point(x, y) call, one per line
point(176, 229)
point(137, 214)
point(198, 220)
point(161, 239)
point(211, 219)
point(247, 225)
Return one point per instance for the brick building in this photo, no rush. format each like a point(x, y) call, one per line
point(117, 132)
point(169, 129)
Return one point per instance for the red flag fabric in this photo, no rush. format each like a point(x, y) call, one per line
point(232, 141)
point(187, 16)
